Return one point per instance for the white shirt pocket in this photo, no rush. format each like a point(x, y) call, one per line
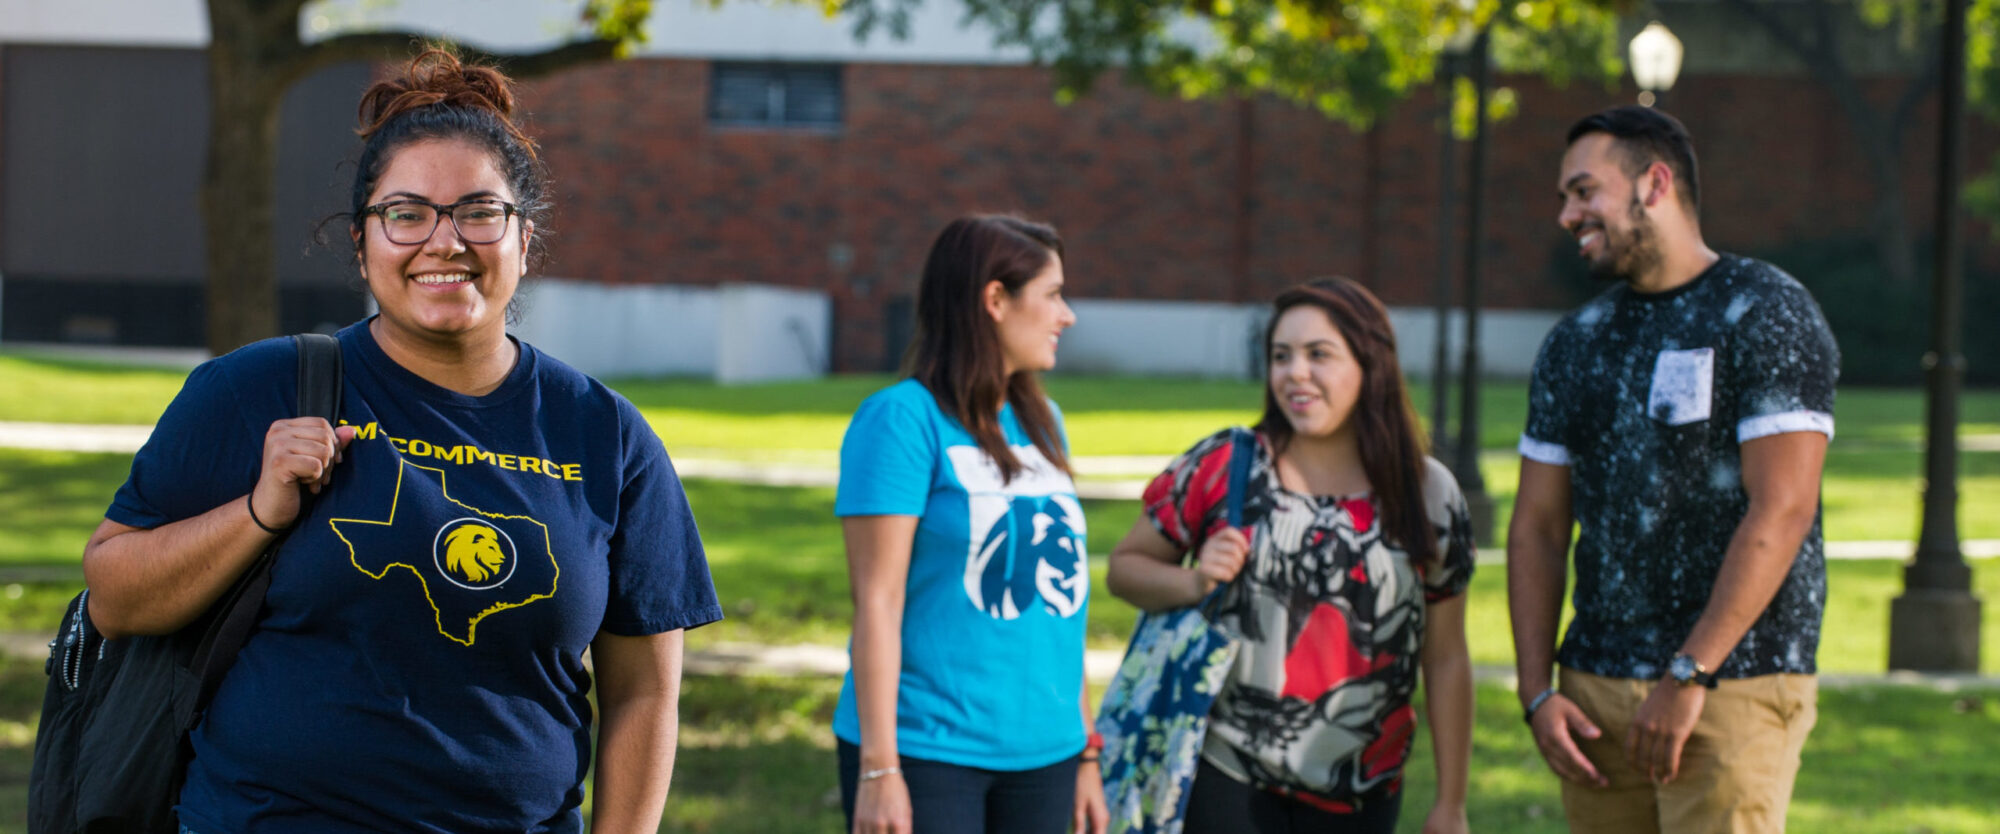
point(1683, 386)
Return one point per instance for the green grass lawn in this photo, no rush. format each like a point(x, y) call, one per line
point(778, 565)
point(41, 389)
point(1106, 415)
point(756, 756)
point(756, 753)
point(1873, 474)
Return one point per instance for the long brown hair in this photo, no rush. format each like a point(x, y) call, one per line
point(1385, 424)
point(957, 353)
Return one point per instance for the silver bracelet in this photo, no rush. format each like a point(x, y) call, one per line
point(871, 775)
point(1536, 703)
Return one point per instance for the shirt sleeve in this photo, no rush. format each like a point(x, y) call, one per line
point(206, 449)
point(659, 578)
point(1782, 366)
point(887, 459)
point(1453, 520)
point(1188, 499)
point(1546, 438)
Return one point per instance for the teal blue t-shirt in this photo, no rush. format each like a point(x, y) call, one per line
point(997, 591)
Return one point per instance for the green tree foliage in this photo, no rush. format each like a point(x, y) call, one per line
point(1349, 59)
point(1982, 89)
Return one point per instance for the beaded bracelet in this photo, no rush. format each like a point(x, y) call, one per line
point(1536, 703)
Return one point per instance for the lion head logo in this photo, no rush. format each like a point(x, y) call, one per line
point(474, 554)
point(1033, 551)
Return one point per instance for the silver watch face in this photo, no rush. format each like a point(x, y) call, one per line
point(1682, 668)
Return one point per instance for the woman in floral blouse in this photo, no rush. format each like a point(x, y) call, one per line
point(1347, 577)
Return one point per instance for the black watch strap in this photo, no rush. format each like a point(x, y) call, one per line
point(1687, 671)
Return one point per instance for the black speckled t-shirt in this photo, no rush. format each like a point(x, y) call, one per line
point(1647, 398)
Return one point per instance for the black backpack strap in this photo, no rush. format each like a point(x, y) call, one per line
point(234, 616)
point(319, 376)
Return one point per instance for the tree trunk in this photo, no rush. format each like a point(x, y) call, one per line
point(247, 46)
point(1877, 131)
point(1894, 244)
point(238, 201)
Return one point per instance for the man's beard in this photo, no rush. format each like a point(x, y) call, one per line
point(1633, 253)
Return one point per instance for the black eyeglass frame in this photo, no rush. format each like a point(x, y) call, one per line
point(440, 212)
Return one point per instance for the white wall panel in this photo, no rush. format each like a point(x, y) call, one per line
point(767, 333)
point(609, 330)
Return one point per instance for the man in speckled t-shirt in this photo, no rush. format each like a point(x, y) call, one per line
point(1679, 420)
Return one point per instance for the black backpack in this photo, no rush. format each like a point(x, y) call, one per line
point(112, 747)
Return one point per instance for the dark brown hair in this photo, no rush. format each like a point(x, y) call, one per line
point(437, 96)
point(957, 353)
point(1385, 424)
point(1643, 136)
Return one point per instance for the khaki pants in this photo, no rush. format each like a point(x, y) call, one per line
point(1736, 771)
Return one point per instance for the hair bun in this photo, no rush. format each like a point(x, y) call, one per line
point(436, 77)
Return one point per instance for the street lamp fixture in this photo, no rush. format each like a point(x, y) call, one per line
point(1656, 61)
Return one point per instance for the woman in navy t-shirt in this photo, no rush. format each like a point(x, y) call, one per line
point(965, 711)
point(481, 515)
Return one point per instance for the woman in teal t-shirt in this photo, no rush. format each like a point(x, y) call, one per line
point(965, 711)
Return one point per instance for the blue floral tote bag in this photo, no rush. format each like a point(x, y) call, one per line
point(1155, 713)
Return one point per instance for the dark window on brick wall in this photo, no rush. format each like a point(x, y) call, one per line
point(774, 95)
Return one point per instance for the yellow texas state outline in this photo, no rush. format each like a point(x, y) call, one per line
point(472, 624)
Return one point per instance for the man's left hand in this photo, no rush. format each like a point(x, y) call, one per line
point(1661, 728)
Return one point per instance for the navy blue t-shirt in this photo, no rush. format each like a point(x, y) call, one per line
point(419, 662)
point(1647, 399)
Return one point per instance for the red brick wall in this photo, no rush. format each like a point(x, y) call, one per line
point(1155, 197)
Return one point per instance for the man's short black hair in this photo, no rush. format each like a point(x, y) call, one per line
point(1645, 135)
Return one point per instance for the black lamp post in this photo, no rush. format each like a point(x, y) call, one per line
point(1934, 625)
point(1466, 464)
point(1441, 292)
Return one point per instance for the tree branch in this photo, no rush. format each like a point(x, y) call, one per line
point(1822, 60)
point(1778, 30)
point(1920, 86)
point(390, 46)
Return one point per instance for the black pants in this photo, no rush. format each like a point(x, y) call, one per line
point(1218, 804)
point(951, 799)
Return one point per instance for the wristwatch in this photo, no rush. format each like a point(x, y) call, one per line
point(1686, 671)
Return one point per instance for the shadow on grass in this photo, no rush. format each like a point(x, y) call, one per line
point(1900, 760)
point(756, 755)
point(1882, 760)
point(776, 557)
point(51, 502)
point(21, 682)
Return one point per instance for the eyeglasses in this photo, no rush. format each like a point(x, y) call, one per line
point(411, 221)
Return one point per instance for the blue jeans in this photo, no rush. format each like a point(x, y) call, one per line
point(953, 799)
